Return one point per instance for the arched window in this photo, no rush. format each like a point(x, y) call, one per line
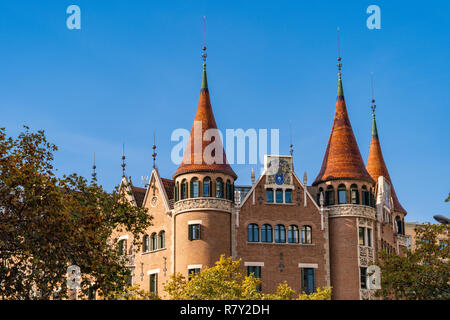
point(293, 234)
point(183, 191)
point(365, 196)
point(177, 188)
point(228, 190)
point(329, 196)
point(219, 188)
point(280, 233)
point(266, 233)
point(153, 242)
point(195, 188)
point(342, 194)
point(122, 246)
point(279, 195)
point(354, 192)
point(207, 187)
point(306, 235)
point(399, 225)
point(253, 233)
point(162, 239)
point(146, 242)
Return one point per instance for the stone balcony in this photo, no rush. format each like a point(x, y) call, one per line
point(203, 203)
point(351, 210)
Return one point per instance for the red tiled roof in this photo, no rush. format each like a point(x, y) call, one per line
point(377, 167)
point(342, 158)
point(168, 186)
point(206, 117)
point(139, 195)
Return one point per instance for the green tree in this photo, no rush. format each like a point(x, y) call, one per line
point(226, 281)
point(48, 223)
point(422, 274)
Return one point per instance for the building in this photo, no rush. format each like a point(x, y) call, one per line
point(324, 234)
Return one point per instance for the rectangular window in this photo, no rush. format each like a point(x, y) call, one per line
point(369, 237)
point(194, 232)
point(154, 283)
point(279, 196)
point(342, 196)
point(269, 195)
point(288, 196)
point(308, 280)
point(362, 240)
point(256, 272)
point(363, 272)
point(192, 272)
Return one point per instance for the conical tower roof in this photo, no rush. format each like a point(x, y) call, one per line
point(194, 161)
point(377, 167)
point(342, 158)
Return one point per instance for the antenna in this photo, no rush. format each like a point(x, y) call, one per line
point(154, 154)
point(123, 161)
point(291, 150)
point(94, 174)
point(373, 106)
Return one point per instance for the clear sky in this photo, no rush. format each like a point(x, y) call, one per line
point(135, 68)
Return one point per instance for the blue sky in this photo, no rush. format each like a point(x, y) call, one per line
point(135, 68)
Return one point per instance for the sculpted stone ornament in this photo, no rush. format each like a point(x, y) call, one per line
point(351, 211)
point(154, 201)
point(206, 203)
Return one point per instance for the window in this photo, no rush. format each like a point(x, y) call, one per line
point(408, 242)
point(354, 194)
point(266, 233)
point(154, 242)
point(399, 225)
point(183, 190)
point(154, 283)
point(253, 233)
point(342, 194)
point(279, 196)
point(162, 239)
point(288, 196)
point(308, 280)
point(269, 195)
point(192, 272)
point(363, 272)
point(195, 188)
point(146, 242)
point(306, 235)
point(280, 233)
point(177, 187)
point(122, 246)
point(293, 234)
point(194, 232)
point(254, 271)
point(207, 187)
point(365, 196)
point(219, 188)
point(369, 237)
point(362, 238)
point(229, 188)
point(329, 196)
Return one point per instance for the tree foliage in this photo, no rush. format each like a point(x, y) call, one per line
point(226, 281)
point(48, 223)
point(422, 274)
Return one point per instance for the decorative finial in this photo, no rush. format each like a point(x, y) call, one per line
point(154, 154)
point(339, 53)
point(291, 146)
point(94, 174)
point(204, 55)
point(305, 179)
point(373, 106)
point(253, 177)
point(123, 161)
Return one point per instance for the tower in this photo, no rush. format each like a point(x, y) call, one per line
point(204, 193)
point(346, 186)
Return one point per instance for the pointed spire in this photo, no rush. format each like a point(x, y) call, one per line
point(123, 165)
point(193, 158)
point(154, 154)
point(342, 158)
point(375, 163)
